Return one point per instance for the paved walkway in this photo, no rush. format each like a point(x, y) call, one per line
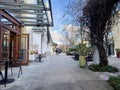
point(113, 61)
point(56, 73)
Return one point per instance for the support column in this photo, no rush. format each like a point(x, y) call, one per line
point(15, 49)
point(0, 38)
point(18, 29)
point(16, 42)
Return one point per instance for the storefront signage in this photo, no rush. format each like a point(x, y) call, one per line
point(36, 29)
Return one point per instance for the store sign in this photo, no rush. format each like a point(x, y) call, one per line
point(36, 29)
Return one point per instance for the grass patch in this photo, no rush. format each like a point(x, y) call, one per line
point(114, 82)
point(99, 68)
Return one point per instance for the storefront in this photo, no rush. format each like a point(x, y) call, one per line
point(16, 19)
point(13, 45)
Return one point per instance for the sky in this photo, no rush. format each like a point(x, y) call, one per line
point(59, 19)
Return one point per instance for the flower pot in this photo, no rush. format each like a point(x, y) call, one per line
point(32, 57)
point(118, 54)
point(82, 61)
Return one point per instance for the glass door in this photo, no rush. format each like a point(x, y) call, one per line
point(5, 45)
point(12, 46)
point(23, 48)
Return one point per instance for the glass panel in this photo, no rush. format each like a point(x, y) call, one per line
point(6, 39)
point(12, 46)
point(23, 47)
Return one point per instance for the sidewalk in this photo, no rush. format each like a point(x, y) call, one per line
point(56, 72)
point(113, 61)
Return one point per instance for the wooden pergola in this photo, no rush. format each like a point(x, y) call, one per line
point(39, 14)
point(16, 14)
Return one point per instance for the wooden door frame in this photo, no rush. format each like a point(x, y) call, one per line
point(16, 24)
point(25, 62)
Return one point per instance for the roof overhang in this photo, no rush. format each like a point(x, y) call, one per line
point(39, 14)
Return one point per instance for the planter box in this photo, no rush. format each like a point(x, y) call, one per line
point(118, 55)
point(82, 61)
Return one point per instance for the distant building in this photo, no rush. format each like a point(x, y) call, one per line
point(116, 33)
point(112, 40)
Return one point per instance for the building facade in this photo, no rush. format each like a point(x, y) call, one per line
point(17, 37)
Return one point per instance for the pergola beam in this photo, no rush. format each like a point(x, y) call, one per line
point(7, 27)
point(22, 8)
point(29, 13)
point(42, 24)
point(20, 5)
point(9, 17)
point(34, 18)
point(25, 12)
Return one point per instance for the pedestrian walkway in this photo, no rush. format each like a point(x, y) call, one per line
point(113, 61)
point(57, 72)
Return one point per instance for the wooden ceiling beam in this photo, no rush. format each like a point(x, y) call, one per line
point(9, 17)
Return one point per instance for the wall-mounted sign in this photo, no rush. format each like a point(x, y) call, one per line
point(37, 29)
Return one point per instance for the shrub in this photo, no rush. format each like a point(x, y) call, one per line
point(117, 87)
point(72, 49)
point(100, 68)
point(108, 69)
point(82, 49)
point(94, 67)
point(68, 52)
point(114, 82)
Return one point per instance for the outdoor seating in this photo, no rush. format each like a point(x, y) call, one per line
point(1, 74)
point(16, 64)
point(2, 81)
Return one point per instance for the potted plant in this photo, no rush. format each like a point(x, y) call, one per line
point(118, 52)
point(83, 51)
point(32, 55)
point(31, 52)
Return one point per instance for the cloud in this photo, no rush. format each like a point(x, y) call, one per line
point(57, 37)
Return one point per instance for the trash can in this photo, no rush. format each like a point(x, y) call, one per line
point(76, 56)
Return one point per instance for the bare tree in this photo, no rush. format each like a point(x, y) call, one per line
point(97, 15)
point(75, 10)
point(70, 34)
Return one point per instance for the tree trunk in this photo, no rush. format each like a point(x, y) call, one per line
point(102, 54)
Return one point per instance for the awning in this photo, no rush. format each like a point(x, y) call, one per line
point(39, 14)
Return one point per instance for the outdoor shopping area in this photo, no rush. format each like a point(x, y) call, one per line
point(58, 72)
point(59, 44)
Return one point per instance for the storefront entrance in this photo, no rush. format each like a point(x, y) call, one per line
point(13, 44)
point(5, 45)
point(15, 47)
point(23, 48)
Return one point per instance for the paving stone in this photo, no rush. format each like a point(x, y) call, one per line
point(57, 72)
